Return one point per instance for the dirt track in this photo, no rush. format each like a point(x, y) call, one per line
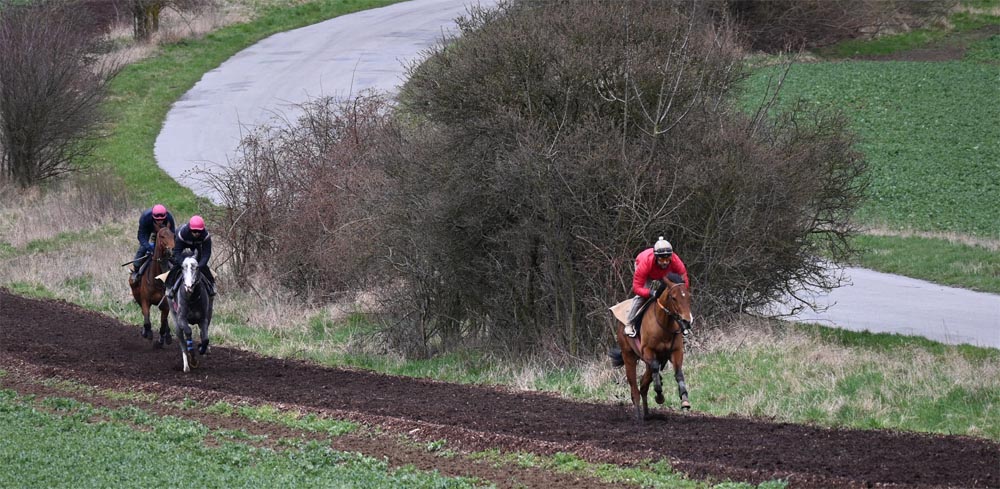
point(51, 338)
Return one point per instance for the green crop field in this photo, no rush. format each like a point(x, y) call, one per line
point(930, 131)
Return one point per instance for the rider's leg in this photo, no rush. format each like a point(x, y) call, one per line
point(171, 279)
point(140, 256)
point(633, 316)
point(211, 280)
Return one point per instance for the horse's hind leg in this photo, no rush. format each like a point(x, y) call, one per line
point(203, 327)
point(203, 345)
point(165, 337)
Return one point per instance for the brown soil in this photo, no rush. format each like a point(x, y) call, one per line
point(41, 339)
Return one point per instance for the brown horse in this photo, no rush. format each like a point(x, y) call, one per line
point(148, 291)
point(661, 338)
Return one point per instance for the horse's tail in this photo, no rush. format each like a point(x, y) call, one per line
point(616, 356)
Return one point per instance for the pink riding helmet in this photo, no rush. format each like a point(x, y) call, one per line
point(159, 212)
point(196, 223)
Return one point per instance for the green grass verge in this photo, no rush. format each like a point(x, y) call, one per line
point(68, 448)
point(798, 373)
point(143, 92)
point(934, 260)
point(962, 23)
point(647, 474)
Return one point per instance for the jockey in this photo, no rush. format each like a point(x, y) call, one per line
point(192, 236)
point(651, 266)
point(158, 215)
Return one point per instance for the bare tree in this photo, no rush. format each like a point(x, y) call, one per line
point(146, 14)
point(51, 87)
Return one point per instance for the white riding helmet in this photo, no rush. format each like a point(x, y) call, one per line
point(662, 248)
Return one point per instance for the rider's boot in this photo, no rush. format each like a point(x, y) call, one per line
point(135, 274)
point(632, 317)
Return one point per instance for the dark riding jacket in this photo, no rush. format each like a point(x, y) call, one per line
point(184, 241)
point(147, 227)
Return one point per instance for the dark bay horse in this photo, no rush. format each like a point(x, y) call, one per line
point(148, 291)
point(191, 304)
point(661, 339)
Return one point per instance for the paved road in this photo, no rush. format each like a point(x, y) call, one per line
point(337, 57)
point(885, 303)
point(368, 50)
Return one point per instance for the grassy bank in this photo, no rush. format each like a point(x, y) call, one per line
point(143, 93)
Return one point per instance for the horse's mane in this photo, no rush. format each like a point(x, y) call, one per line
point(675, 278)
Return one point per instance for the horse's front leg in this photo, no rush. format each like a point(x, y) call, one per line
point(147, 325)
point(647, 377)
point(164, 327)
point(183, 330)
point(678, 360)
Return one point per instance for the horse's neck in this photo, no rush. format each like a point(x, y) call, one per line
point(660, 315)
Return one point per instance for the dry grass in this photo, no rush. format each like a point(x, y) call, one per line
point(80, 204)
point(178, 25)
point(951, 237)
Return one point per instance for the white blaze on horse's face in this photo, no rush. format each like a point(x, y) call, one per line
point(688, 316)
point(189, 270)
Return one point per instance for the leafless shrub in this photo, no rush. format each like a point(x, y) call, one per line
point(295, 199)
point(554, 141)
point(51, 86)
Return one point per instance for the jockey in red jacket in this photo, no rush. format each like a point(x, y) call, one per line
point(651, 266)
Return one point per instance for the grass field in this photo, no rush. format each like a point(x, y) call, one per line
point(930, 131)
point(931, 134)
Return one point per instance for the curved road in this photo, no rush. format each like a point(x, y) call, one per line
point(369, 49)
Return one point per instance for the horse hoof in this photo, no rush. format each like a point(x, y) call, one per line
point(158, 345)
point(168, 339)
point(147, 333)
point(686, 406)
point(660, 399)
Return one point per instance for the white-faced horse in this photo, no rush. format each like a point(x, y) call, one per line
point(191, 304)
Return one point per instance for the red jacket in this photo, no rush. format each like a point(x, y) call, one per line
point(646, 270)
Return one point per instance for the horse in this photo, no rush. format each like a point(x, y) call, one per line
point(665, 323)
point(191, 304)
point(149, 292)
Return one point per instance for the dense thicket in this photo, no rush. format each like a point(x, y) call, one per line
point(529, 162)
point(554, 141)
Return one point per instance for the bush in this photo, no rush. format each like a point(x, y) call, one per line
point(553, 142)
point(51, 87)
point(295, 199)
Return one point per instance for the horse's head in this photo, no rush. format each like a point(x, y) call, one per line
point(164, 244)
point(676, 302)
point(189, 274)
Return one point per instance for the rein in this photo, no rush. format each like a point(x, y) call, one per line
point(670, 314)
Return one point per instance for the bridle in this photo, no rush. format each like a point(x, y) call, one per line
point(683, 325)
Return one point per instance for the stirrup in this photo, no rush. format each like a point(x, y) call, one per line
point(630, 331)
